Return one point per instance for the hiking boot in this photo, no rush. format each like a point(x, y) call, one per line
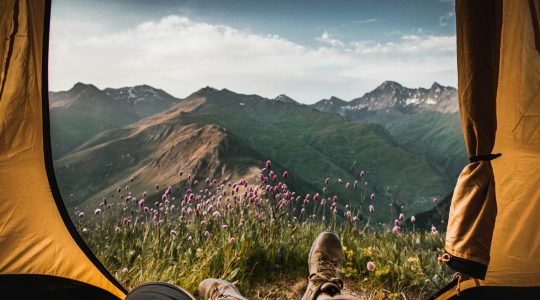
point(324, 264)
point(336, 297)
point(217, 289)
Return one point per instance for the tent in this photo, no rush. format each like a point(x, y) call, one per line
point(41, 253)
point(493, 226)
point(493, 229)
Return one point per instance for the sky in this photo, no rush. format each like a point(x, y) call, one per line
point(306, 49)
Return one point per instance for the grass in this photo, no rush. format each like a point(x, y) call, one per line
point(258, 236)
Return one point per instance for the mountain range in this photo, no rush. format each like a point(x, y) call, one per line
point(400, 137)
point(84, 111)
point(425, 121)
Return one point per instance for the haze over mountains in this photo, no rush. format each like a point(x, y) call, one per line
point(407, 140)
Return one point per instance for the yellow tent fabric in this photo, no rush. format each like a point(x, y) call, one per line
point(473, 209)
point(515, 249)
point(499, 51)
point(35, 237)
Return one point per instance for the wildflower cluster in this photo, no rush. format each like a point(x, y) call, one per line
point(252, 233)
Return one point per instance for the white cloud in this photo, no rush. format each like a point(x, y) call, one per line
point(365, 21)
point(328, 39)
point(180, 56)
point(445, 19)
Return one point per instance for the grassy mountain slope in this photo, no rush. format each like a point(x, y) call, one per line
point(218, 134)
point(85, 110)
point(436, 135)
point(314, 145)
point(424, 121)
point(153, 151)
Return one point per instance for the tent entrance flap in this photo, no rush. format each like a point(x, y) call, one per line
point(494, 213)
point(474, 207)
point(38, 241)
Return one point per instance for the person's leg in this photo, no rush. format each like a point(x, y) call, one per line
point(324, 262)
point(158, 291)
point(218, 289)
point(336, 297)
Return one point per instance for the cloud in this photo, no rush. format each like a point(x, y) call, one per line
point(445, 19)
point(181, 55)
point(365, 21)
point(327, 38)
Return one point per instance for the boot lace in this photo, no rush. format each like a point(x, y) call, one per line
point(327, 272)
point(218, 293)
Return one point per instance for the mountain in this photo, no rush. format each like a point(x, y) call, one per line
point(392, 98)
point(286, 99)
point(219, 133)
point(333, 105)
point(85, 110)
point(424, 121)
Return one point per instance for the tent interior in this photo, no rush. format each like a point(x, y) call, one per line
point(492, 234)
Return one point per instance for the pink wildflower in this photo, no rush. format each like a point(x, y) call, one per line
point(434, 230)
point(413, 219)
point(370, 266)
point(371, 209)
